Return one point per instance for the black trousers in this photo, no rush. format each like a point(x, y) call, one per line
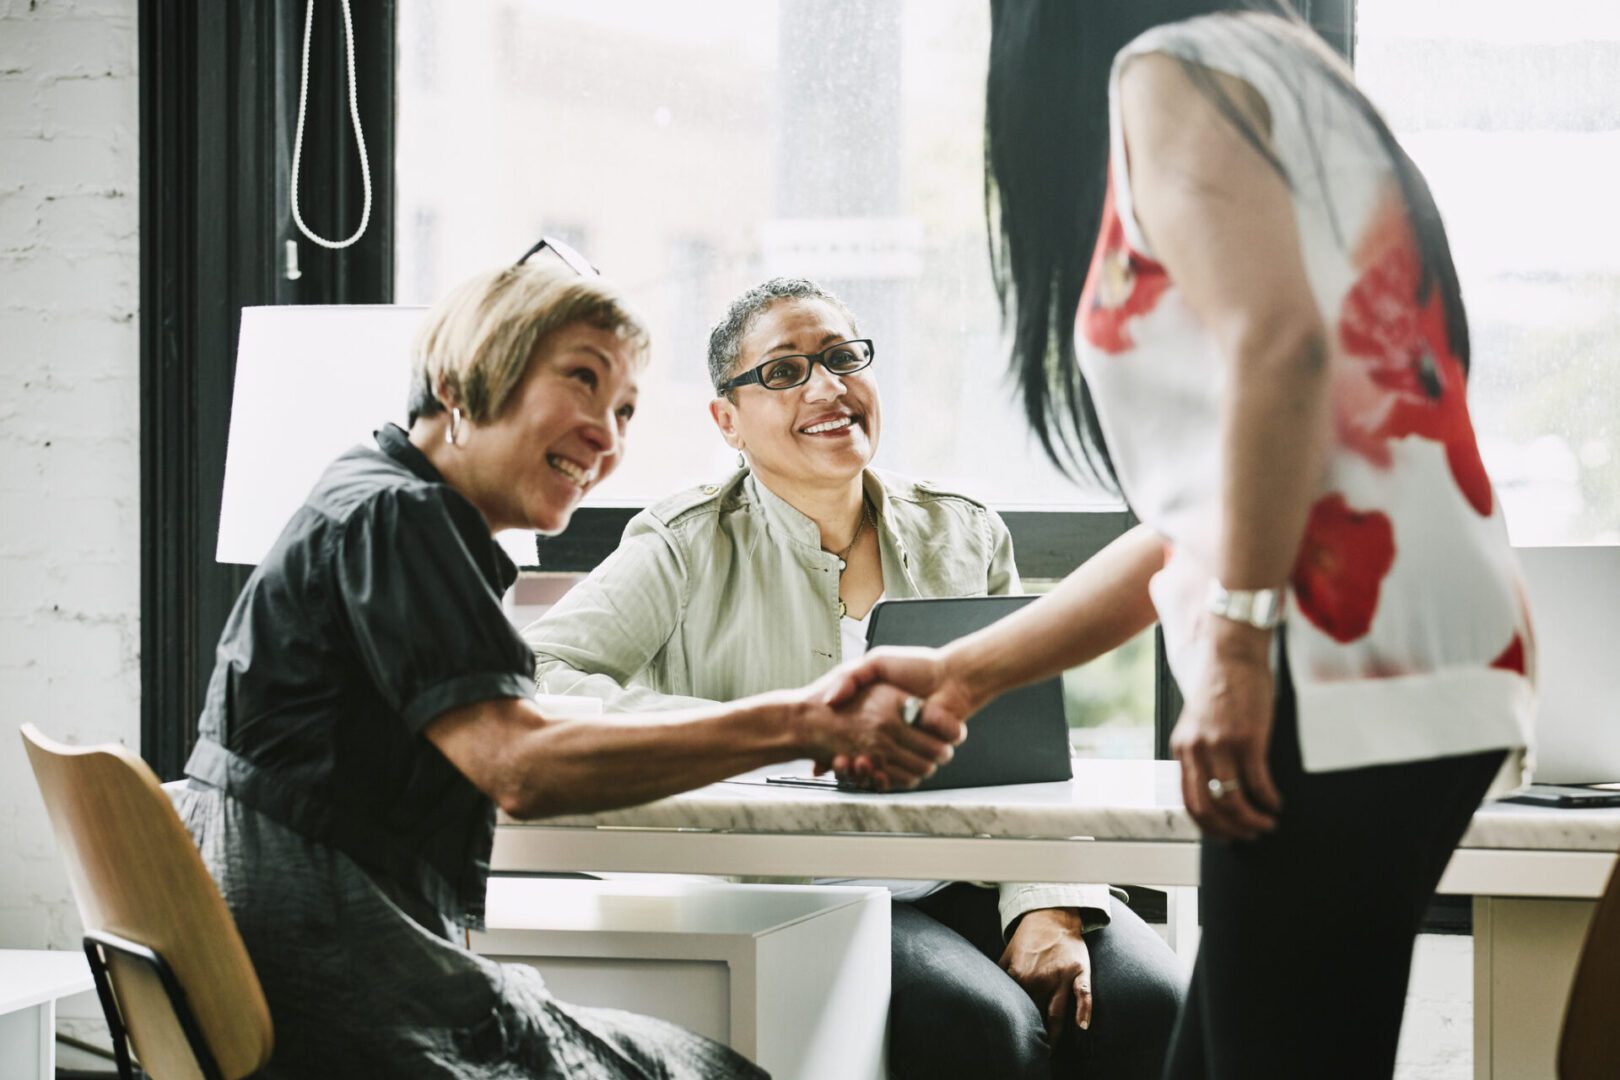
point(954, 1013)
point(1308, 932)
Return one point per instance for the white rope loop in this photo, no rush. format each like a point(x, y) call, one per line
point(354, 118)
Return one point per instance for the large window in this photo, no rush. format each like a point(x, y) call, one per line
point(1510, 109)
point(690, 157)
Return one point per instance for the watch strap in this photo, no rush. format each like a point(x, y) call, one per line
point(1259, 608)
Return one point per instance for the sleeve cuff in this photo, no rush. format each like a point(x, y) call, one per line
point(1020, 898)
point(464, 690)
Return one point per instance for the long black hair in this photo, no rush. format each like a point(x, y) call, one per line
point(1046, 174)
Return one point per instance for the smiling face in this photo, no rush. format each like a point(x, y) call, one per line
point(820, 434)
point(560, 434)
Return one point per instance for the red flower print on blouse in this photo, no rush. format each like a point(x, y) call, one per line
point(1520, 655)
point(1403, 380)
point(1512, 658)
point(1343, 560)
point(1121, 285)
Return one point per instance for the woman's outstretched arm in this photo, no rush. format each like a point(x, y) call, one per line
point(532, 766)
point(1100, 606)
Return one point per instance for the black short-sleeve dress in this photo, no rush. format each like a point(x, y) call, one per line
point(350, 851)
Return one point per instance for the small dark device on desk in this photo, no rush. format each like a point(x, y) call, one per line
point(1569, 796)
point(1020, 738)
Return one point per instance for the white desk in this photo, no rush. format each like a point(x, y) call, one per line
point(1115, 821)
point(31, 982)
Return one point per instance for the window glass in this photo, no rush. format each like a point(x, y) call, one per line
point(1509, 110)
point(1109, 702)
point(690, 158)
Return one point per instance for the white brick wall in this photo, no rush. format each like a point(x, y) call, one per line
point(69, 418)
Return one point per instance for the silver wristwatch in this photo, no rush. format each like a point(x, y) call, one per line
point(1259, 608)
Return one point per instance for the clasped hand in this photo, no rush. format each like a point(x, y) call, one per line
point(880, 683)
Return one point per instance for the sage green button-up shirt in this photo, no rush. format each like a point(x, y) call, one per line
point(724, 591)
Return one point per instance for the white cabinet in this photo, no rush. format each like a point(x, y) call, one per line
point(796, 977)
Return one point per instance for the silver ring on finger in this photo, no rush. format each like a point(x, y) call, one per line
point(1218, 789)
point(911, 710)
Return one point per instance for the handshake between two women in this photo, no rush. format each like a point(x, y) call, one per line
point(911, 686)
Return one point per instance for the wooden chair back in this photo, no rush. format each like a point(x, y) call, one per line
point(136, 873)
point(1589, 1048)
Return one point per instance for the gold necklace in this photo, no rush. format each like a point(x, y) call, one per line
point(860, 527)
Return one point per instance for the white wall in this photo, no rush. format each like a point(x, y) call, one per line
point(69, 418)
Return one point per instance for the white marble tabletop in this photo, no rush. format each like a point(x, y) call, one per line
point(1106, 800)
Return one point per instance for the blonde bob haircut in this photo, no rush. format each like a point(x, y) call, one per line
point(479, 339)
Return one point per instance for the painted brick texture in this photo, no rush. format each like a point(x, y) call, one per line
point(69, 418)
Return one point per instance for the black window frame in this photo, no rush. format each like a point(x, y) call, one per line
point(218, 97)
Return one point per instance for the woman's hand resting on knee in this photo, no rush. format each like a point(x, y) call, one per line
point(1048, 958)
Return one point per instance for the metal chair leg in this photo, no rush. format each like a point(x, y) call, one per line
point(98, 940)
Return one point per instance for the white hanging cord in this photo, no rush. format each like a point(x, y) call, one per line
point(354, 117)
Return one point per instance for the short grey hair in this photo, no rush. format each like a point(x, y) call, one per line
point(725, 339)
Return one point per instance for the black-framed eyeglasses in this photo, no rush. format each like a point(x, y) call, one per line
point(571, 258)
point(786, 372)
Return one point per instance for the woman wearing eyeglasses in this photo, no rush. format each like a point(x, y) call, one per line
point(371, 706)
point(766, 581)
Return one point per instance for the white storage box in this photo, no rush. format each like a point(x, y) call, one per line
point(796, 977)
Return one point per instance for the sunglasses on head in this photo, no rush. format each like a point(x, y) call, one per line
point(571, 258)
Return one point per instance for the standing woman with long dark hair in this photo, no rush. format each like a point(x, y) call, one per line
point(1231, 299)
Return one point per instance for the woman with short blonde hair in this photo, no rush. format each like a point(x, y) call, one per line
point(371, 706)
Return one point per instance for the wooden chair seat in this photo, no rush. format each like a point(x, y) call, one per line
point(172, 970)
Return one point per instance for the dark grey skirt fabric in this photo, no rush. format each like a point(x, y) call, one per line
point(357, 987)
